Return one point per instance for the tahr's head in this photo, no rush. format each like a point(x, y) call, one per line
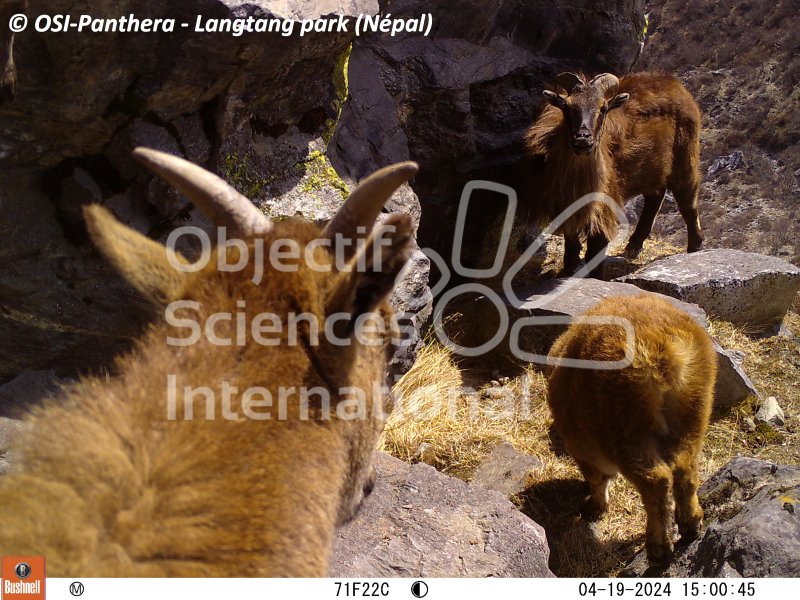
point(585, 106)
point(319, 314)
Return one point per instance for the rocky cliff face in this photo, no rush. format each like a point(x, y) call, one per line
point(257, 108)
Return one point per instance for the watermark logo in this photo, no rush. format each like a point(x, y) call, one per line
point(509, 299)
point(23, 578)
point(262, 258)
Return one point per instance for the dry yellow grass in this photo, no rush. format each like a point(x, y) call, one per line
point(450, 419)
point(451, 416)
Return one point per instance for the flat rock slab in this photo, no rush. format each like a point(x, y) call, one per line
point(753, 525)
point(506, 470)
point(9, 429)
point(744, 288)
point(420, 523)
point(573, 297)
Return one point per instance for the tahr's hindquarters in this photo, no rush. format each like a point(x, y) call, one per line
point(646, 420)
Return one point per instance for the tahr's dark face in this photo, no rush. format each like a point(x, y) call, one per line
point(585, 111)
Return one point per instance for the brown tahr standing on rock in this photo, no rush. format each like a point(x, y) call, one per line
point(621, 137)
point(119, 479)
point(647, 420)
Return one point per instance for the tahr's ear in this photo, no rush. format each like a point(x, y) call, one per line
point(554, 99)
point(142, 262)
point(372, 272)
point(618, 101)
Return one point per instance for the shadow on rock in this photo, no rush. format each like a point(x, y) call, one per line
point(575, 550)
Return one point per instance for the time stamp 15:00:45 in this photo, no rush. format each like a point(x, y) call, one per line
point(664, 589)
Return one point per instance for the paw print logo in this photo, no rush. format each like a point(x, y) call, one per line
point(506, 330)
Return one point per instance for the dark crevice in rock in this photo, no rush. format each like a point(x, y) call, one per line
point(312, 120)
point(273, 130)
point(209, 121)
point(164, 226)
point(131, 102)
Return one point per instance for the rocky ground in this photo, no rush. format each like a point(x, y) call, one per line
point(744, 70)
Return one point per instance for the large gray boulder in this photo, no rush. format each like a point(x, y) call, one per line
point(740, 287)
point(573, 297)
point(420, 523)
point(752, 512)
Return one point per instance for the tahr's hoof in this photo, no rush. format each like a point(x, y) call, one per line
point(690, 531)
point(632, 252)
point(659, 553)
point(570, 270)
point(591, 511)
point(694, 247)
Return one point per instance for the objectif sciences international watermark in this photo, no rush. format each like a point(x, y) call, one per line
point(360, 25)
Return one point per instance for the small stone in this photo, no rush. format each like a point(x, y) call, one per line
point(494, 383)
point(494, 393)
point(732, 162)
point(425, 452)
point(771, 413)
point(748, 424)
point(737, 355)
point(506, 470)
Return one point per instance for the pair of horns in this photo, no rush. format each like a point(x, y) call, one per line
point(573, 81)
point(227, 207)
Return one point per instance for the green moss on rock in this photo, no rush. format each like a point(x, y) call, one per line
point(319, 174)
point(239, 172)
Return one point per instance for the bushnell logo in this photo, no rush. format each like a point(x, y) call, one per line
point(23, 578)
point(23, 570)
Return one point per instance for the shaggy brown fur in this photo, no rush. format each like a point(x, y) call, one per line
point(647, 420)
point(105, 484)
point(8, 70)
point(644, 144)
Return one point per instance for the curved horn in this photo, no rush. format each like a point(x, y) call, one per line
point(605, 82)
point(364, 204)
point(221, 203)
point(569, 81)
